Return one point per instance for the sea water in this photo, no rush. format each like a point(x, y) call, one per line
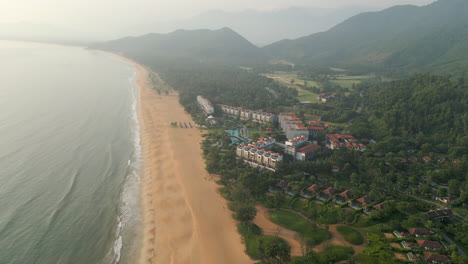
point(69, 156)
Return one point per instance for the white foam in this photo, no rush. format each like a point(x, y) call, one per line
point(129, 217)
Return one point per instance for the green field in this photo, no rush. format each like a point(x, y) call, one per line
point(351, 235)
point(299, 224)
point(348, 81)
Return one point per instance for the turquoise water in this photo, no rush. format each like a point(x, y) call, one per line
point(69, 155)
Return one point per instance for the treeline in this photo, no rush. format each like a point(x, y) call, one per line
point(424, 112)
point(227, 85)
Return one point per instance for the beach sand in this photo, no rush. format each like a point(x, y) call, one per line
point(185, 220)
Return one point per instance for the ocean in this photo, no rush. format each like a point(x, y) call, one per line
point(69, 156)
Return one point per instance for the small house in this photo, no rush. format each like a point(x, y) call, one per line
point(310, 191)
point(419, 232)
point(435, 258)
point(429, 245)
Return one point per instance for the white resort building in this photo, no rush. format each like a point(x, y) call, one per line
point(292, 126)
point(205, 105)
point(258, 154)
point(247, 114)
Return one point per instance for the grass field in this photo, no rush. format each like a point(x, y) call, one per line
point(299, 224)
point(251, 235)
point(351, 235)
point(348, 81)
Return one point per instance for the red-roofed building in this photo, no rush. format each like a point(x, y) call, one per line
point(311, 190)
point(359, 203)
point(427, 159)
point(379, 206)
point(419, 232)
point(336, 141)
point(307, 152)
point(429, 245)
point(326, 194)
point(435, 258)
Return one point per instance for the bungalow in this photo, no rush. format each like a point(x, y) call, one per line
point(335, 169)
point(366, 210)
point(442, 159)
point(429, 245)
point(359, 203)
point(326, 194)
point(279, 186)
point(408, 245)
point(312, 190)
point(419, 232)
point(400, 234)
point(436, 258)
point(344, 196)
point(427, 159)
point(440, 214)
point(379, 206)
point(447, 199)
point(411, 256)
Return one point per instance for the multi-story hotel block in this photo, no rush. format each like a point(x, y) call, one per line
point(247, 114)
point(337, 141)
point(292, 126)
point(257, 154)
point(205, 105)
point(293, 144)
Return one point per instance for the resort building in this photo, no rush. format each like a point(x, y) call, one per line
point(307, 152)
point(293, 144)
point(337, 141)
point(429, 245)
point(205, 105)
point(292, 126)
point(258, 155)
point(248, 115)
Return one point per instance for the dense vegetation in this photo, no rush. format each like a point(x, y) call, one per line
point(424, 112)
point(227, 85)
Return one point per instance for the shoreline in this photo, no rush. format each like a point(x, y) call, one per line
point(185, 219)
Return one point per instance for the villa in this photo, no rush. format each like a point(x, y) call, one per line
point(429, 245)
point(435, 258)
point(310, 191)
point(326, 194)
point(419, 232)
point(337, 141)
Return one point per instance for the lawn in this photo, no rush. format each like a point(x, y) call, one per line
point(299, 224)
point(351, 235)
point(251, 235)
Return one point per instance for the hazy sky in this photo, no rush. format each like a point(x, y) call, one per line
point(128, 11)
point(114, 17)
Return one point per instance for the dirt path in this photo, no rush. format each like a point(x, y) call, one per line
point(271, 229)
point(337, 239)
point(294, 238)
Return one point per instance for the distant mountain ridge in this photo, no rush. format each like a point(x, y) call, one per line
point(213, 46)
point(262, 27)
point(432, 37)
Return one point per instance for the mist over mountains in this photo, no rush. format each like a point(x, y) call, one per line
point(261, 27)
point(398, 39)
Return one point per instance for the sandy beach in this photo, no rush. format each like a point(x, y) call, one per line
point(185, 218)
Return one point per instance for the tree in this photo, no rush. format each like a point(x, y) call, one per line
point(246, 213)
point(454, 187)
point(274, 250)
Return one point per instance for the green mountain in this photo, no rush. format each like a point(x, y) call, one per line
point(215, 46)
point(432, 37)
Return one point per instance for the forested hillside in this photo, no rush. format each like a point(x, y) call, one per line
point(422, 112)
point(223, 46)
point(401, 38)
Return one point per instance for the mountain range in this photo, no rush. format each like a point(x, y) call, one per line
point(261, 27)
point(400, 38)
